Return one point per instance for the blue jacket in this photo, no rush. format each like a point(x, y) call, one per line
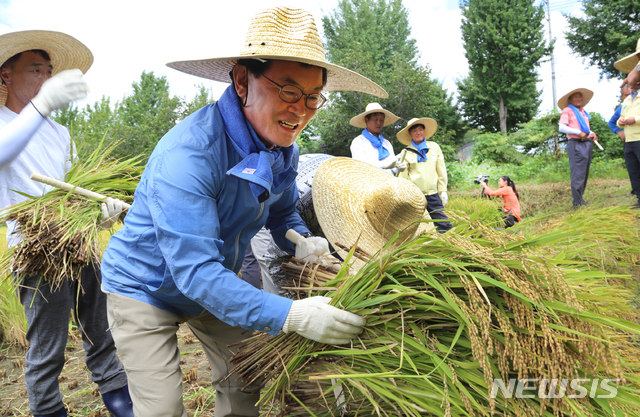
point(613, 122)
point(184, 237)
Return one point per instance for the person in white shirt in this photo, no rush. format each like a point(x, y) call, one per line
point(370, 146)
point(31, 142)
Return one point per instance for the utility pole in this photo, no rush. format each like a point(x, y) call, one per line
point(553, 74)
point(553, 66)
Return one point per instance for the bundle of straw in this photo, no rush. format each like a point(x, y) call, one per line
point(59, 231)
point(447, 316)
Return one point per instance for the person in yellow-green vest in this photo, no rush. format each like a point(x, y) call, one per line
point(426, 167)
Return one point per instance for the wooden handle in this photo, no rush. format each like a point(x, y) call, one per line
point(70, 187)
point(293, 236)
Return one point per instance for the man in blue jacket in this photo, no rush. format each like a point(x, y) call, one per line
point(210, 184)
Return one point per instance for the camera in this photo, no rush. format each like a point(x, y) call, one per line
point(481, 178)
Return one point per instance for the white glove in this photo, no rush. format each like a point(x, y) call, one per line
point(60, 90)
point(309, 249)
point(391, 164)
point(315, 319)
point(444, 197)
point(401, 166)
point(111, 210)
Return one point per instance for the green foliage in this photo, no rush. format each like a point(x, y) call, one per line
point(136, 124)
point(371, 37)
point(504, 43)
point(534, 169)
point(539, 135)
point(495, 147)
point(612, 144)
point(308, 141)
point(483, 110)
point(604, 32)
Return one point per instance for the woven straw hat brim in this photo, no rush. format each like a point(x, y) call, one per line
point(587, 95)
point(66, 52)
point(430, 127)
point(358, 121)
point(629, 62)
point(338, 78)
point(288, 34)
point(357, 202)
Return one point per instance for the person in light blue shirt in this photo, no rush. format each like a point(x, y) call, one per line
point(210, 184)
point(613, 122)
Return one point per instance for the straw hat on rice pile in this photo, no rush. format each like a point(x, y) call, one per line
point(359, 204)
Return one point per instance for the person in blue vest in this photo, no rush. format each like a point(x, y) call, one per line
point(574, 122)
point(370, 146)
point(210, 184)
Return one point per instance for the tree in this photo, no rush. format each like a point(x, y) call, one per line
point(137, 123)
point(504, 44)
point(483, 111)
point(371, 37)
point(607, 32)
point(145, 116)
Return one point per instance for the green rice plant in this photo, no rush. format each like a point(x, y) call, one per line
point(485, 210)
point(446, 316)
point(60, 231)
point(13, 323)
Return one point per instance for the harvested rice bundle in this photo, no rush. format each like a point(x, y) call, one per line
point(446, 317)
point(59, 231)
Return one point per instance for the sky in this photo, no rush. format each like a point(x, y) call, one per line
point(129, 37)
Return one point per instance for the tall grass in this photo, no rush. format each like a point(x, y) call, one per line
point(13, 324)
point(446, 316)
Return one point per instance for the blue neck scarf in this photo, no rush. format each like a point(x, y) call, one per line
point(584, 127)
point(422, 148)
point(268, 171)
point(377, 143)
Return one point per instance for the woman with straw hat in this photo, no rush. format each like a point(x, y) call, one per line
point(574, 122)
point(630, 121)
point(210, 184)
point(370, 146)
point(41, 71)
point(426, 167)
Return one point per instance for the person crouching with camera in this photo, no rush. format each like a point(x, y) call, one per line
point(511, 199)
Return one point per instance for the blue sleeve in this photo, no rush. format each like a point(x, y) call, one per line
point(614, 120)
point(284, 216)
point(182, 192)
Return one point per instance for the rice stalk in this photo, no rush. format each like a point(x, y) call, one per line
point(60, 230)
point(446, 316)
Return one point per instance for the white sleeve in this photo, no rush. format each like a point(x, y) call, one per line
point(357, 151)
point(15, 135)
point(566, 129)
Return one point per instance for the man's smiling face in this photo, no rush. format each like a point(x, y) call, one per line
point(275, 121)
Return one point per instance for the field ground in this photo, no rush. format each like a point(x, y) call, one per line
point(540, 204)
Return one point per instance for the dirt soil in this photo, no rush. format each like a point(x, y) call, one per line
point(81, 395)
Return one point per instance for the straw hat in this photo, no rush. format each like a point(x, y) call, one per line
point(586, 97)
point(389, 118)
point(430, 127)
point(357, 202)
point(288, 34)
point(66, 52)
point(629, 62)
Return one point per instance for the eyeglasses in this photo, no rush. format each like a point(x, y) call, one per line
point(291, 94)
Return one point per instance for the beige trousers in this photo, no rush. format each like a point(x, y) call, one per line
point(146, 338)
